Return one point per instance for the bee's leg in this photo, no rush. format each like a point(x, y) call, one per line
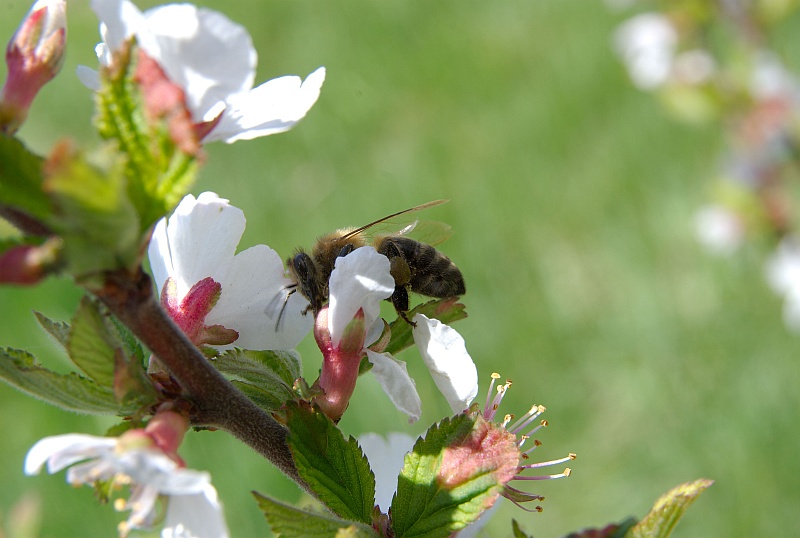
point(400, 301)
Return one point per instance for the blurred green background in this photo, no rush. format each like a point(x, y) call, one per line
point(572, 197)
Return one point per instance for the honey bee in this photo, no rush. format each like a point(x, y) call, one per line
point(414, 265)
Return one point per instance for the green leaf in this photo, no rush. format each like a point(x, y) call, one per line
point(425, 504)
point(97, 222)
point(70, 392)
point(516, 530)
point(668, 509)
point(96, 346)
point(614, 530)
point(21, 179)
point(57, 329)
point(445, 310)
point(92, 345)
point(266, 377)
point(334, 467)
point(288, 521)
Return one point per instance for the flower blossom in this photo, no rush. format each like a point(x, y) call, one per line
point(521, 431)
point(213, 60)
point(783, 274)
point(135, 460)
point(217, 297)
point(647, 44)
point(351, 323)
point(719, 229)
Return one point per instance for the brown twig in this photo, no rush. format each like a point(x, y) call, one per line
point(130, 297)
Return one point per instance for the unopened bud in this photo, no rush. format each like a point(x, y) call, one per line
point(34, 56)
point(28, 264)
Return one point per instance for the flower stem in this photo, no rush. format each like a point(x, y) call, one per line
point(129, 296)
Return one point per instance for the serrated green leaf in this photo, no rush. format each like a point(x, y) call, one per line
point(253, 366)
point(287, 521)
point(668, 510)
point(21, 179)
point(70, 392)
point(59, 330)
point(133, 348)
point(334, 467)
point(92, 345)
point(423, 505)
point(266, 400)
point(445, 310)
point(266, 377)
point(96, 346)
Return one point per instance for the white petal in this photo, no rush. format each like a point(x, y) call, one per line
point(60, 451)
point(360, 280)
point(120, 19)
point(142, 503)
point(273, 107)
point(208, 55)
point(203, 235)
point(88, 77)
point(386, 457)
point(159, 256)
point(195, 516)
point(255, 278)
point(445, 355)
point(396, 383)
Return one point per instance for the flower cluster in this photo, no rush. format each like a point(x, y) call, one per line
point(748, 90)
point(169, 79)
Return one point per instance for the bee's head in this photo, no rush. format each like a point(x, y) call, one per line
point(303, 271)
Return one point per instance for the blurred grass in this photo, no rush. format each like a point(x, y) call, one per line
point(572, 197)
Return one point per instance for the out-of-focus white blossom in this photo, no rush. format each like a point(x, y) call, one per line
point(647, 44)
point(719, 229)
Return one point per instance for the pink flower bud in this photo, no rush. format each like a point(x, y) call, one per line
point(34, 56)
point(28, 264)
point(340, 363)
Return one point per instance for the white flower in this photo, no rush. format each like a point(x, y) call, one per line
point(783, 274)
point(199, 241)
point(213, 60)
point(386, 457)
point(192, 506)
point(647, 44)
point(719, 229)
point(771, 79)
point(360, 281)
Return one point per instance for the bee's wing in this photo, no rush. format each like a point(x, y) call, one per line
point(431, 232)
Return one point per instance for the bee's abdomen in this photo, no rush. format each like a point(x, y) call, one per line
point(432, 273)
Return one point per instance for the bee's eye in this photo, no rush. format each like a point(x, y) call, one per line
point(347, 249)
point(301, 264)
